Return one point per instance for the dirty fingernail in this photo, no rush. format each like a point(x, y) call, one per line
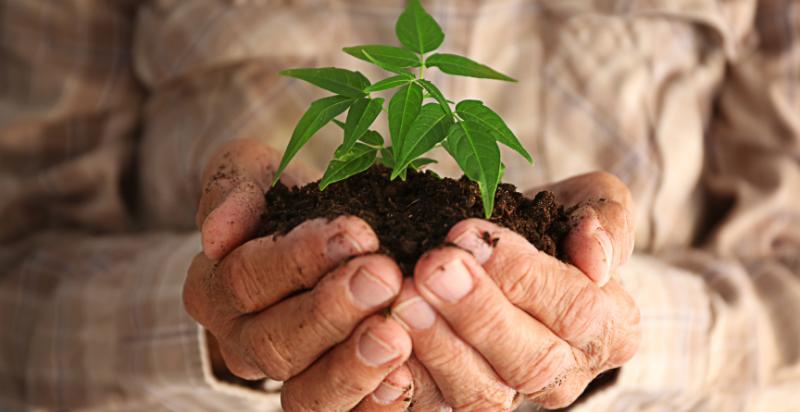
point(387, 393)
point(452, 282)
point(602, 238)
point(374, 351)
point(415, 313)
point(369, 290)
point(342, 246)
point(479, 244)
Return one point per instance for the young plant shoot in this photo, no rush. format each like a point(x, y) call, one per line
point(420, 117)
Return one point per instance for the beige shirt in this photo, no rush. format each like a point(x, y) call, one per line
point(109, 110)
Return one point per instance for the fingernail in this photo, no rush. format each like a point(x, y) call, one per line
point(477, 244)
point(387, 393)
point(601, 236)
point(342, 246)
point(368, 290)
point(374, 351)
point(415, 313)
point(452, 282)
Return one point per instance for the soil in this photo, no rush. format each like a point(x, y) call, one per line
point(414, 216)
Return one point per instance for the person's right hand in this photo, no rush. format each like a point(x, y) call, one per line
point(299, 308)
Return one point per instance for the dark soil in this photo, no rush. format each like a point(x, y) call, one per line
point(414, 216)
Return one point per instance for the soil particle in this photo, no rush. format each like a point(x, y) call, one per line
point(414, 216)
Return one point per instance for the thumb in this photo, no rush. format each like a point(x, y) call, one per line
point(232, 199)
point(599, 240)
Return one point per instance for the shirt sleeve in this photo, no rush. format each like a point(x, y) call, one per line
point(720, 325)
point(97, 323)
point(90, 295)
point(69, 110)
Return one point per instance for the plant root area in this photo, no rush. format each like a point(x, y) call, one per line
point(414, 216)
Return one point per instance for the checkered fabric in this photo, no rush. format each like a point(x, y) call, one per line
point(109, 110)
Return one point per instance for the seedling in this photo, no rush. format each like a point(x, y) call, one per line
point(469, 131)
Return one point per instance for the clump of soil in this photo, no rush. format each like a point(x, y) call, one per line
point(414, 216)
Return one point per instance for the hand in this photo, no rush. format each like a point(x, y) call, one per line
point(299, 308)
point(499, 322)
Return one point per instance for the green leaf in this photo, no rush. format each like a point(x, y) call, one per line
point(462, 66)
point(389, 83)
point(360, 117)
point(403, 109)
point(359, 159)
point(475, 111)
point(421, 162)
point(389, 67)
point(319, 114)
point(372, 138)
point(386, 159)
point(340, 81)
point(417, 30)
point(429, 128)
point(338, 123)
point(387, 55)
point(478, 155)
point(437, 94)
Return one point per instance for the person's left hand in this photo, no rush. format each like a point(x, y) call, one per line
point(502, 322)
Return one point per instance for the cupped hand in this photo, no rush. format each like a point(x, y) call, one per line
point(497, 322)
point(299, 308)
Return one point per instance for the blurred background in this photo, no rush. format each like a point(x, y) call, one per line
point(109, 111)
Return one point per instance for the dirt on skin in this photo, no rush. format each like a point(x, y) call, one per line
point(414, 216)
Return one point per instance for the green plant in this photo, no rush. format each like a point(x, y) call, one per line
point(469, 132)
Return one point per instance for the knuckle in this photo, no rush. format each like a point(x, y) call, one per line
point(239, 279)
point(192, 294)
point(490, 323)
point(581, 314)
point(264, 351)
point(327, 313)
point(442, 357)
point(191, 304)
point(543, 369)
point(298, 265)
point(519, 278)
point(349, 386)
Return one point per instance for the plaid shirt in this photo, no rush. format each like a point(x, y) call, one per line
point(109, 110)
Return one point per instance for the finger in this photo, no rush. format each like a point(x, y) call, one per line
point(287, 337)
point(555, 293)
point(602, 236)
point(465, 379)
point(351, 371)
point(427, 397)
point(394, 394)
point(234, 221)
point(603, 323)
point(266, 270)
point(523, 352)
point(237, 363)
point(233, 194)
point(601, 239)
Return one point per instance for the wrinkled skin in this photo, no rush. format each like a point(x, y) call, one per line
point(491, 324)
